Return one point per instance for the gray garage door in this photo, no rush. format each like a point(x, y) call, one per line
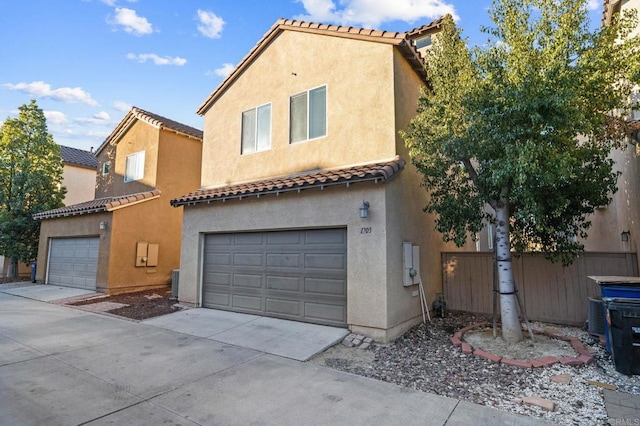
point(298, 275)
point(73, 262)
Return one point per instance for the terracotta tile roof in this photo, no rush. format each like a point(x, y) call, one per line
point(403, 40)
point(152, 119)
point(378, 172)
point(78, 157)
point(99, 205)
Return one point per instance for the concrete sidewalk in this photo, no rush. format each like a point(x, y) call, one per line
point(63, 366)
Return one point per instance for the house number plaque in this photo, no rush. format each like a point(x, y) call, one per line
point(366, 230)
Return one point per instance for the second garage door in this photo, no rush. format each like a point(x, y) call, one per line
point(299, 275)
point(73, 262)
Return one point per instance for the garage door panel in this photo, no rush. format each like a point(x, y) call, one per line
point(284, 260)
point(324, 312)
point(322, 286)
point(325, 261)
point(211, 298)
point(248, 259)
point(73, 262)
point(279, 283)
point(283, 307)
point(284, 238)
point(252, 303)
point(247, 281)
point(278, 273)
point(218, 259)
point(217, 278)
point(248, 239)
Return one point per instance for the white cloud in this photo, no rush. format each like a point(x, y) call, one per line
point(223, 71)
point(156, 59)
point(40, 89)
point(55, 117)
point(594, 5)
point(210, 24)
point(101, 117)
point(122, 106)
point(372, 13)
point(131, 22)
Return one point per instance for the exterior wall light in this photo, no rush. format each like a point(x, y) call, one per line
point(364, 209)
point(103, 225)
point(624, 236)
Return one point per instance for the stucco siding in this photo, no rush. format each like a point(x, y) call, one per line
point(80, 183)
point(360, 119)
point(140, 137)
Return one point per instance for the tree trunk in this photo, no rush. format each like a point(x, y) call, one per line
point(511, 330)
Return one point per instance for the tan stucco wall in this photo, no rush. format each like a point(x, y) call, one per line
point(80, 183)
point(140, 137)
point(623, 214)
point(155, 221)
point(360, 120)
point(76, 226)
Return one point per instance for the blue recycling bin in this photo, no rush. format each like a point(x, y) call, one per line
point(617, 287)
point(34, 266)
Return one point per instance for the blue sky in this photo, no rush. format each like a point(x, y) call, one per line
point(86, 62)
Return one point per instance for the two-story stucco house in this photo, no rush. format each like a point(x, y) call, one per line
point(128, 237)
point(308, 199)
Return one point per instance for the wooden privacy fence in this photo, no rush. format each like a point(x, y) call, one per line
point(549, 291)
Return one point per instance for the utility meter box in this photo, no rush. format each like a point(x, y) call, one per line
point(410, 263)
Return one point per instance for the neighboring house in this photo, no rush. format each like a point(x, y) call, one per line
point(128, 237)
point(78, 174)
point(300, 137)
point(617, 226)
point(79, 177)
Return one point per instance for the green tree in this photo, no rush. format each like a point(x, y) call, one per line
point(518, 133)
point(30, 176)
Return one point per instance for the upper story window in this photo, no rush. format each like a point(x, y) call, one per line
point(256, 129)
point(424, 41)
point(134, 169)
point(308, 115)
point(106, 166)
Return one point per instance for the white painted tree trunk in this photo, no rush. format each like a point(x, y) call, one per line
point(511, 330)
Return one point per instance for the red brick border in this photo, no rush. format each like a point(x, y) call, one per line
point(585, 357)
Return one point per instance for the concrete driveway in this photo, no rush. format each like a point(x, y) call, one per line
point(64, 366)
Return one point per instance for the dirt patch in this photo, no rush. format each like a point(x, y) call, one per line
point(139, 305)
point(526, 350)
point(341, 357)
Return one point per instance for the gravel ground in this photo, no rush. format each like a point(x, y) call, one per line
point(424, 359)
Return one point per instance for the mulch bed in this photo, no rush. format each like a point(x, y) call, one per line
point(141, 304)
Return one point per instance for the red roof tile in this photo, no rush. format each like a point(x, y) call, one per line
point(378, 172)
point(152, 119)
point(98, 205)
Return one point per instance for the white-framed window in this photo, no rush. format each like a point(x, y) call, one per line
point(134, 168)
point(106, 166)
point(422, 42)
point(308, 115)
point(256, 129)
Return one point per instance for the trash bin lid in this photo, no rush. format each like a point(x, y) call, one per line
point(605, 280)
